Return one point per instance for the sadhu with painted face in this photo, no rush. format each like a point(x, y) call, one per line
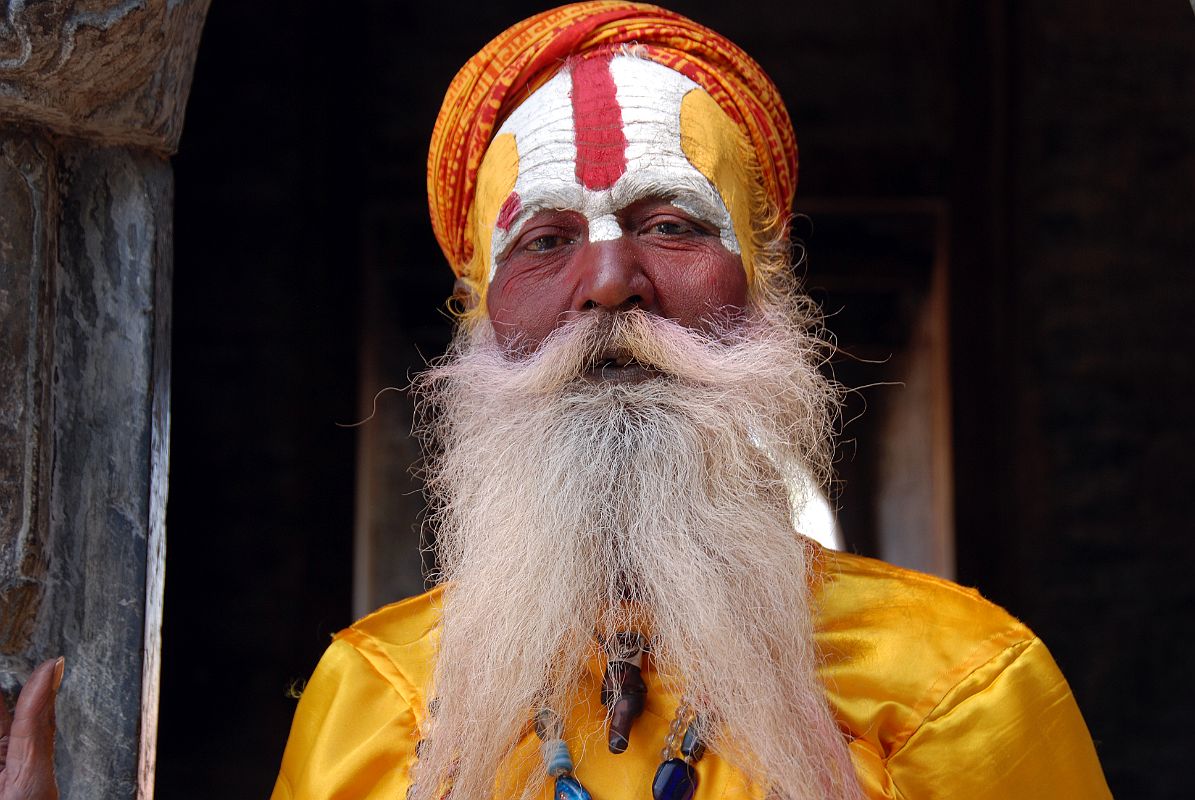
point(624, 608)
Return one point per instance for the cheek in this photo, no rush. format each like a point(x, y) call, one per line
point(523, 311)
point(691, 289)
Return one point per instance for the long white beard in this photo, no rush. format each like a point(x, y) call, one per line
point(555, 500)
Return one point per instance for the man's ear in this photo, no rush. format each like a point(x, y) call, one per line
point(464, 296)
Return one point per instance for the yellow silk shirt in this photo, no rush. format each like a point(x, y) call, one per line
point(941, 694)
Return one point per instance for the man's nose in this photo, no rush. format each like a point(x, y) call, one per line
point(612, 278)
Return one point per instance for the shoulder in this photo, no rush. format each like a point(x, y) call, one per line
point(924, 673)
point(398, 641)
point(894, 642)
point(402, 623)
point(903, 608)
point(363, 707)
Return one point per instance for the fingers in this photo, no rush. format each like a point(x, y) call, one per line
point(29, 767)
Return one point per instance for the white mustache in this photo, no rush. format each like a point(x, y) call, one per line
point(725, 354)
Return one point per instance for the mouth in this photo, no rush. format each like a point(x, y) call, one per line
point(619, 367)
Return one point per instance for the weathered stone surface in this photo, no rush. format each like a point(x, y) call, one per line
point(107, 496)
point(159, 464)
point(25, 199)
point(84, 302)
point(114, 71)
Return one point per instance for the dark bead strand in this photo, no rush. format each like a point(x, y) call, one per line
point(692, 747)
point(676, 779)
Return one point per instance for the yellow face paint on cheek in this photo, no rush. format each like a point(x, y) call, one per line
point(715, 146)
point(495, 182)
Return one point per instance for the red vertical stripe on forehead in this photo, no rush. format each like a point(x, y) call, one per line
point(597, 119)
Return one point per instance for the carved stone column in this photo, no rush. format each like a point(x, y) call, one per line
point(92, 94)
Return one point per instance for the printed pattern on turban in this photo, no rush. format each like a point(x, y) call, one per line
point(524, 57)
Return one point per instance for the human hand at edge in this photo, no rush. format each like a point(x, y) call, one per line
point(27, 737)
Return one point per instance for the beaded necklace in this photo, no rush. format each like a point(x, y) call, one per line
point(675, 779)
point(623, 691)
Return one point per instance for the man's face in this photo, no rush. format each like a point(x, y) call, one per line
point(664, 261)
point(618, 184)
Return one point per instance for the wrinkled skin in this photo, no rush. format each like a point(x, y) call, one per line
point(27, 738)
point(665, 262)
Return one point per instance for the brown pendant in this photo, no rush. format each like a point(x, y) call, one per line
point(623, 689)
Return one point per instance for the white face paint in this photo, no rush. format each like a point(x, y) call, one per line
point(646, 104)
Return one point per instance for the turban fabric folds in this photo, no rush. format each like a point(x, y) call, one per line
point(522, 58)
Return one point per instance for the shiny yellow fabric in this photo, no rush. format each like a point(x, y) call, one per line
point(942, 694)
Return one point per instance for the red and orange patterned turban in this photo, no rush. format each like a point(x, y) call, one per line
point(525, 56)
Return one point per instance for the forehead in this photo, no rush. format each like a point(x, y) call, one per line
point(602, 134)
point(600, 120)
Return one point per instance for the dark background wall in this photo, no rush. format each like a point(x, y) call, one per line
point(1061, 137)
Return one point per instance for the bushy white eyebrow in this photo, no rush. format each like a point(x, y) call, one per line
point(691, 193)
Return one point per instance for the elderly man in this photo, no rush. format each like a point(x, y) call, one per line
point(615, 437)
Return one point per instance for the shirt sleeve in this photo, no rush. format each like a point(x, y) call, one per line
point(353, 734)
point(1009, 729)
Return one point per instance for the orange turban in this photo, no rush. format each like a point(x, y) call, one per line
point(525, 56)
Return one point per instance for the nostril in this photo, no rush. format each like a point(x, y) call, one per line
point(589, 305)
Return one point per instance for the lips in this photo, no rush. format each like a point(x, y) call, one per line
point(617, 362)
point(619, 366)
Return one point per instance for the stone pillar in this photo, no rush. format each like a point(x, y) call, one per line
point(92, 94)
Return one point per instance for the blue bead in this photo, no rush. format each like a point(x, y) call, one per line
point(569, 788)
point(556, 757)
point(692, 746)
point(675, 780)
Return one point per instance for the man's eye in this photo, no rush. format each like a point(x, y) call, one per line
point(544, 243)
point(673, 227)
point(669, 228)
